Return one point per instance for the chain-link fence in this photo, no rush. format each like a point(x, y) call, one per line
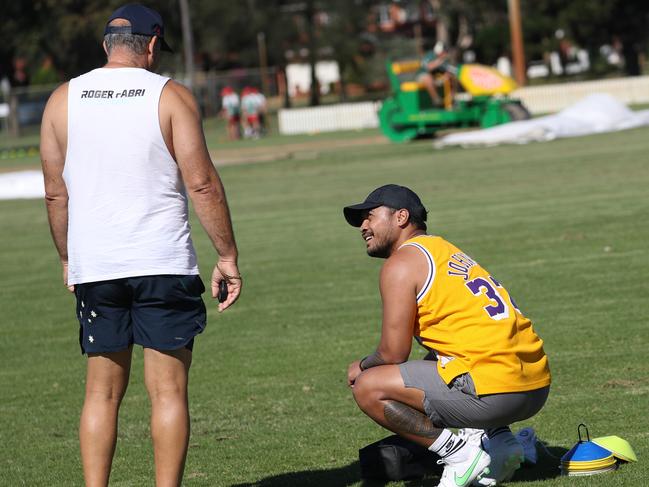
point(207, 86)
point(21, 109)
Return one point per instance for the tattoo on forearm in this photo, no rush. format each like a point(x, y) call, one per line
point(403, 418)
point(373, 360)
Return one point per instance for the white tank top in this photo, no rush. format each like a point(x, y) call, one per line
point(127, 212)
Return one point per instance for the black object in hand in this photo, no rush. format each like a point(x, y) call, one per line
point(223, 291)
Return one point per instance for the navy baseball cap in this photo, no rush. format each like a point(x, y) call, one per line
point(144, 21)
point(390, 195)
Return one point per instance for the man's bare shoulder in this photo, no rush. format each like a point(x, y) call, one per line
point(61, 90)
point(402, 265)
point(177, 96)
point(58, 99)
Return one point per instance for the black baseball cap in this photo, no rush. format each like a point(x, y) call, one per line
point(390, 195)
point(144, 21)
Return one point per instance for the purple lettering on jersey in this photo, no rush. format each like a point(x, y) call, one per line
point(496, 311)
point(461, 274)
point(458, 267)
point(494, 281)
point(463, 259)
point(462, 263)
point(511, 300)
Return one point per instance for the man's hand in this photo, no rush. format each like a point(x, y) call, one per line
point(227, 271)
point(353, 371)
point(65, 277)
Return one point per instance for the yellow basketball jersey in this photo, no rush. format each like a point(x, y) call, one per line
point(473, 325)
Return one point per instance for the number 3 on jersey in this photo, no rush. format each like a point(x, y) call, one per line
point(498, 310)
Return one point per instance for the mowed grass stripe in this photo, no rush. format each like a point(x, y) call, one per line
point(269, 399)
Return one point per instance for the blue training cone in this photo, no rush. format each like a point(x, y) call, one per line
point(587, 458)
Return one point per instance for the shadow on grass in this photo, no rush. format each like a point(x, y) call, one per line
point(426, 481)
point(547, 467)
point(335, 477)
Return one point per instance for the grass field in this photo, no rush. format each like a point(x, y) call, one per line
point(564, 225)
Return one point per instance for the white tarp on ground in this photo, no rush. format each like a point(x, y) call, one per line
point(21, 185)
point(592, 115)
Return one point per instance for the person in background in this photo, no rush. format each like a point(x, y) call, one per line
point(263, 110)
point(231, 111)
point(46, 74)
point(250, 109)
point(436, 71)
point(19, 76)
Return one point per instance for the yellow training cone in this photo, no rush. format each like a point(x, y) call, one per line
point(618, 446)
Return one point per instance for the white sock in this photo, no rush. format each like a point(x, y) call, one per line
point(447, 444)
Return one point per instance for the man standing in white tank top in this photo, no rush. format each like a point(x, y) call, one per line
point(122, 149)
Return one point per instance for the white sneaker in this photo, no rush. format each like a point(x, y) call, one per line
point(472, 464)
point(506, 454)
point(473, 436)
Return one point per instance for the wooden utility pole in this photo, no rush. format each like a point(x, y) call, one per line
point(516, 31)
point(188, 42)
point(13, 124)
point(419, 41)
point(263, 62)
point(314, 98)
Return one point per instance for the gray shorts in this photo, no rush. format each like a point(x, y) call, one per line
point(456, 405)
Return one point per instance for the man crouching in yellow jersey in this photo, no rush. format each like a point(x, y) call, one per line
point(489, 368)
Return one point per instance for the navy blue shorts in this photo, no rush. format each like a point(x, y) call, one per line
point(162, 312)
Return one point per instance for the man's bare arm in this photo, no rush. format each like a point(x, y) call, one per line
point(181, 126)
point(52, 149)
point(398, 285)
point(199, 175)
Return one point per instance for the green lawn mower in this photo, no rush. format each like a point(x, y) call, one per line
point(410, 113)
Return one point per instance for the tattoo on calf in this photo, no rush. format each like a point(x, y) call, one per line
point(406, 419)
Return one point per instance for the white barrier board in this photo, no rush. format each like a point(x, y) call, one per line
point(538, 100)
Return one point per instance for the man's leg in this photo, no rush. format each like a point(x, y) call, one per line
point(166, 377)
point(382, 394)
point(106, 382)
point(428, 81)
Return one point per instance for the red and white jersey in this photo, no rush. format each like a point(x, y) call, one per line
point(231, 104)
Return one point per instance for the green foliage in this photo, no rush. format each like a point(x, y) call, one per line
point(559, 223)
point(70, 31)
point(592, 24)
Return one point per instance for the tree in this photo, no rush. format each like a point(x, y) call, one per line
point(68, 31)
point(592, 24)
point(343, 34)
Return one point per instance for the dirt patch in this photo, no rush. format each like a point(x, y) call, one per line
point(266, 153)
point(621, 383)
point(298, 150)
